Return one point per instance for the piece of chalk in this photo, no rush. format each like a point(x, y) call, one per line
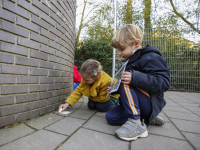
point(60, 110)
point(65, 112)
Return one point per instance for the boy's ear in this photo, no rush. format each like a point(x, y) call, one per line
point(137, 43)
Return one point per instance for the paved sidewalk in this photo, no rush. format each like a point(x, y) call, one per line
point(84, 129)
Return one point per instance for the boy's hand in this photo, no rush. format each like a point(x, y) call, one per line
point(63, 106)
point(126, 77)
point(108, 89)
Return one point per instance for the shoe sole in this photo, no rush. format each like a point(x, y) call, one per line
point(145, 134)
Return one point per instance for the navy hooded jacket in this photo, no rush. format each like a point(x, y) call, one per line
point(151, 74)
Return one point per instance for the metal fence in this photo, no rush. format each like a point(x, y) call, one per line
point(181, 48)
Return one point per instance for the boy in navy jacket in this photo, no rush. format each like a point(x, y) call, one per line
point(144, 82)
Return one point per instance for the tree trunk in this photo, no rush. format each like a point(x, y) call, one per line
point(147, 14)
point(129, 12)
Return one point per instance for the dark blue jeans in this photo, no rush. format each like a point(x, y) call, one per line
point(134, 103)
point(103, 107)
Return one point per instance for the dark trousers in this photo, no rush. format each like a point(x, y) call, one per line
point(134, 103)
point(102, 107)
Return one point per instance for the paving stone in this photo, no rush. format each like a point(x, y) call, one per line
point(100, 114)
point(41, 140)
point(189, 96)
point(83, 114)
point(196, 100)
point(183, 116)
point(77, 105)
point(84, 106)
point(100, 124)
point(191, 104)
point(193, 138)
point(173, 104)
point(168, 100)
point(180, 99)
point(153, 142)
point(193, 109)
point(162, 115)
point(85, 100)
point(13, 133)
point(197, 113)
point(44, 121)
point(176, 109)
point(85, 139)
point(188, 126)
point(66, 126)
point(167, 129)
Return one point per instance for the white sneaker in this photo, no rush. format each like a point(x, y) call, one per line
point(131, 130)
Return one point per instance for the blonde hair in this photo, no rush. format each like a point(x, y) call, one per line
point(91, 67)
point(127, 36)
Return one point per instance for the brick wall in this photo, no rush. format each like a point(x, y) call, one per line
point(37, 39)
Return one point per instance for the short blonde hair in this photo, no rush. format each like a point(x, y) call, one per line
point(91, 67)
point(126, 36)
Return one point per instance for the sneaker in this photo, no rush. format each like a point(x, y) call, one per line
point(158, 121)
point(131, 130)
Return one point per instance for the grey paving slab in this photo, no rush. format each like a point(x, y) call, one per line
point(173, 104)
point(183, 116)
point(196, 100)
point(193, 97)
point(41, 140)
point(83, 114)
point(169, 100)
point(85, 139)
point(193, 109)
point(100, 124)
point(44, 121)
point(189, 126)
point(193, 138)
point(190, 96)
point(153, 142)
point(162, 115)
point(175, 97)
point(167, 129)
point(66, 126)
point(197, 113)
point(77, 105)
point(101, 114)
point(181, 99)
point(84, 106)
point(85, 99)
point(191, 104)
point(16, 132)
point(176, 109)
